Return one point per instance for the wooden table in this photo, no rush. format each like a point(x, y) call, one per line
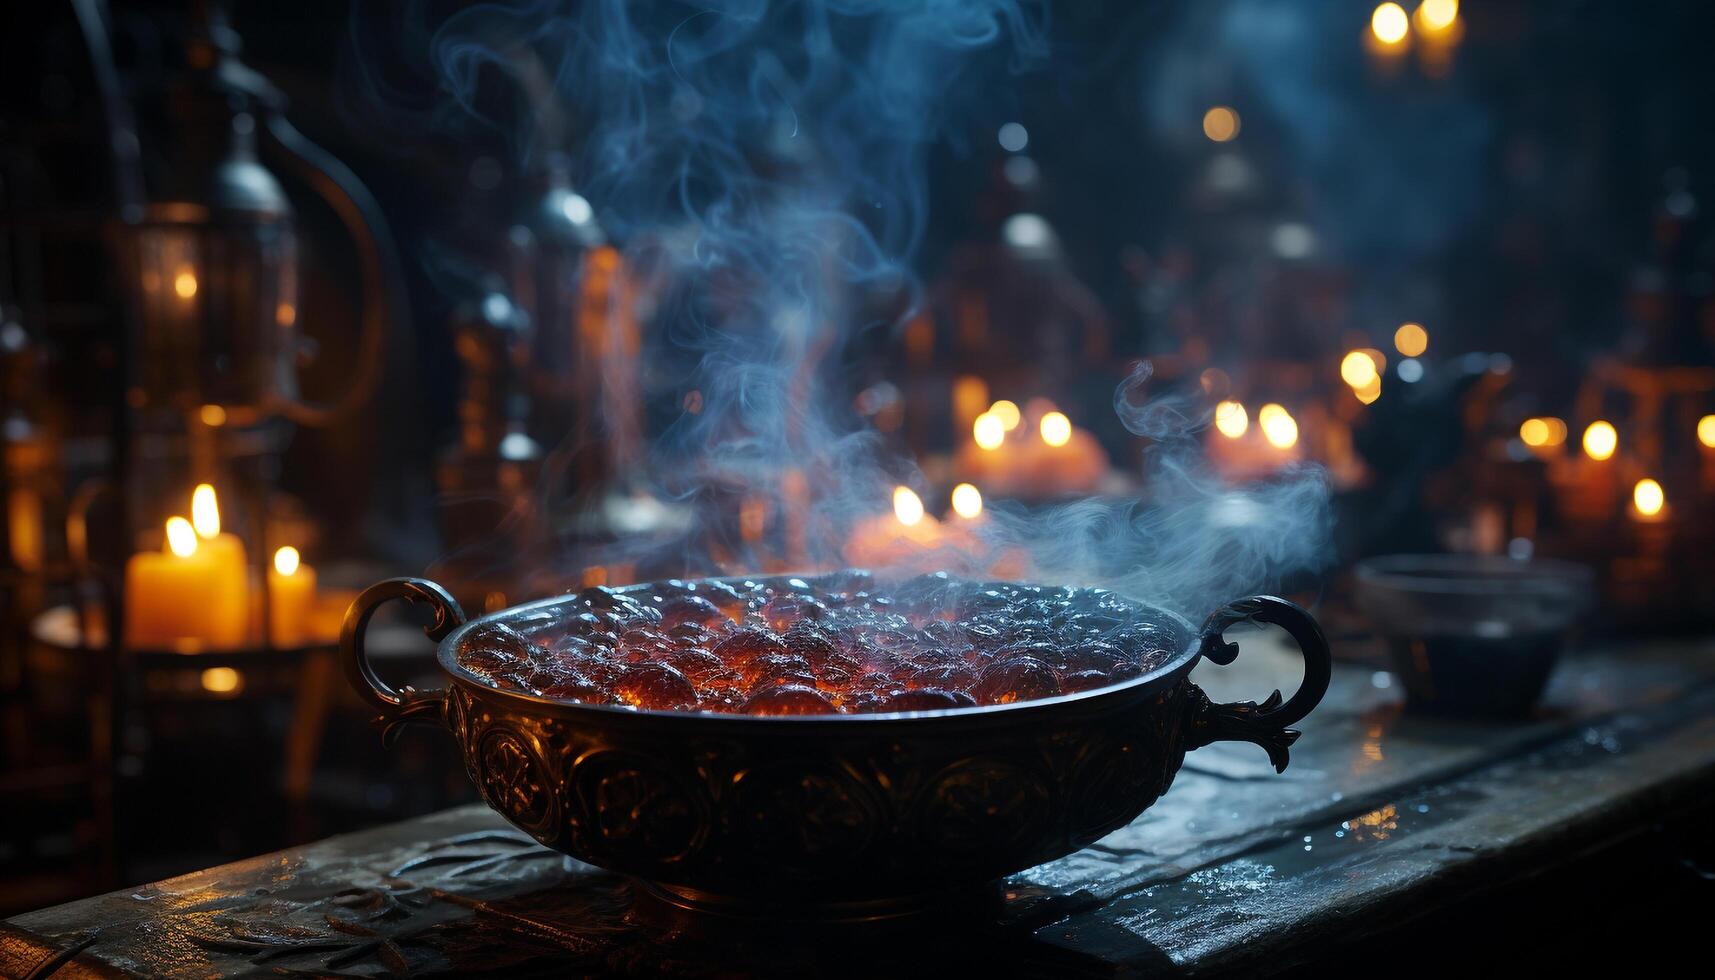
point(1235, 870)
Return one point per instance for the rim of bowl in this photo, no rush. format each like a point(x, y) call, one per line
point(446, 655)
point(1463, 575)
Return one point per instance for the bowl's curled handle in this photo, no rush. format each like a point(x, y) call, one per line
point(397, 707)
point(1246, 721)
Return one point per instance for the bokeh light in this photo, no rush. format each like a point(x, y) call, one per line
point(1278, 426)
point(1389, 23)
point(1221, 124)
point(1007, 412)
point(1231, 419)
point(1648, 497)
point(967, 501)
point(907, 506)
point(988, 430)
point(1411, 339)
point(1056, 429)
point(1600, 440)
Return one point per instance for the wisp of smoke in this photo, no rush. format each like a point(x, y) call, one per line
point(766, 162)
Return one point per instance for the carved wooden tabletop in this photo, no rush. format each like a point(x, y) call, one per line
point(1235, 868)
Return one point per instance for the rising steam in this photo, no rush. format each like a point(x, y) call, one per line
point(765, 164)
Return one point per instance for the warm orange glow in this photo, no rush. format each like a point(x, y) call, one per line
point(185, 284)
point(907, 506)
point(1007, 412)
point(1278, 426)
point(1231, 419)
point(213, 416)
point(1220, 124)
point(1411, 339)
point(1358, 369)
point(286, 560)
point(181, 537)
point(1434, 16)
point(205, 512)
point(1600, 440)
point(1056, 429)
point(989, 431)
point(1648, 497)
point(221, 680)
point(967, 501)
point(1389, 23)
point(1368, 393)
point(1706, 431)
point(1533, 432)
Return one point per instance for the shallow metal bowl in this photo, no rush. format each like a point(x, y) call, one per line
point(858, 815)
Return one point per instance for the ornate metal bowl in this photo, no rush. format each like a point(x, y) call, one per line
point(832, 816)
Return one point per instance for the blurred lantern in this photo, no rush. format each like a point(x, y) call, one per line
point(216, 254)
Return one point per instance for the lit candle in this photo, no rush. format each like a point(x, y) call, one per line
point(229, 603)
point(167, 593)
point(291, 599)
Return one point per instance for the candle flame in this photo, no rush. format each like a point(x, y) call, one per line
point(1278, 426)
point(967, 501)
point(1231, 419)
point(988, 430)
point(181, 537)
point(1389, 23)
point(907, 506)
point(1007, 412)
point(205, 512)
point(1056, 429)
point(286, 560)
point(1648, 497)
point(1600, 440)
point(1706, 431)
point(185, 283)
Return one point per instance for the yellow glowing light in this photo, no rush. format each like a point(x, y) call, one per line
point(1648, 497)
point(1358, 369)
point(967, 501)
point(220, 680)
point(213, 416)
point(1231, 419)
point(1556, 430)
point(989, 431)
point(1056, 429)
point(286, 560)
point(205, 512)
point(1220, 124)
point(1389, 23)
point(1007, 412)
point(1437, 15)
point(185, 284)
point(1534, 432)
point(1411, 339)
point(1706, 431)
point(1278, 426)
point(1369, 392)
point(1600, 440)
point(181, 537)
point(907, 506)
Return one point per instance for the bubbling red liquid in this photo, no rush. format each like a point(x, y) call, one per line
point(833, 644)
